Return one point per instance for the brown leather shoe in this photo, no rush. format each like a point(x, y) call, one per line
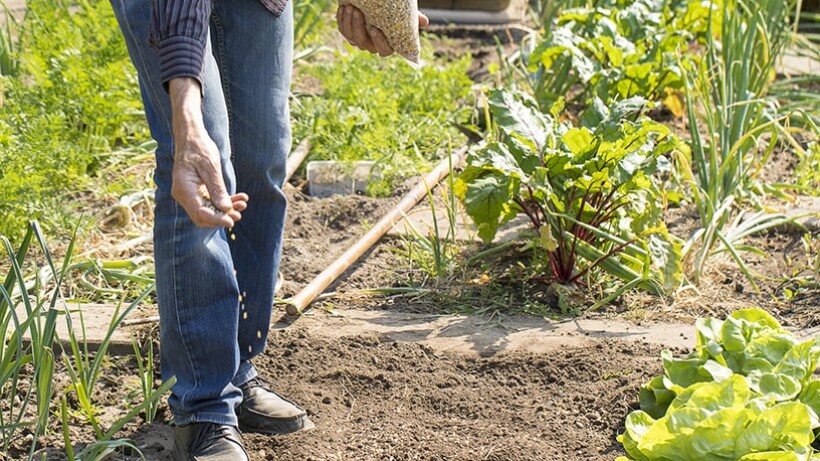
point(208, 442)
point(266, 412)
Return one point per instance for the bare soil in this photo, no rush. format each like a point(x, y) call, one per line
point(373, 399)
point(319, 230)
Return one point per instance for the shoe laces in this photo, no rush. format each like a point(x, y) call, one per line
point(210, 433)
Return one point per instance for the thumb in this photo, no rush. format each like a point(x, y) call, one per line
point(424, 21)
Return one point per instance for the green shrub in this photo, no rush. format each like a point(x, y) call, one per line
point(590, 192)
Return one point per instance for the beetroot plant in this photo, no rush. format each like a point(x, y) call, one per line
point(590, 192)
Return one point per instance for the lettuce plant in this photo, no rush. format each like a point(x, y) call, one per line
point(589, 192)
point(748, 392)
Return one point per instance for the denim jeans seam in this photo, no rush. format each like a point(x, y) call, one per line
point(143, 61)
point(177, 303)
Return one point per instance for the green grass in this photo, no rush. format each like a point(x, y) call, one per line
point(371, 108)
point(72, 99)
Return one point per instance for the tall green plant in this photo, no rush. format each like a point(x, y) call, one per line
point(728, 118)
point(436, 252)
point(39, 323)
point(310, 22)
point(30, 306)
point(9, 59)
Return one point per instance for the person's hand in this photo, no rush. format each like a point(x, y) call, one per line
point(197, 183)
point(353, 27)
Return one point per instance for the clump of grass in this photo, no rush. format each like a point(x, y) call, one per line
point(31, 305)
point(730, 85)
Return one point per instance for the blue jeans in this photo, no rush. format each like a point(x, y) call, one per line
point(215, 286)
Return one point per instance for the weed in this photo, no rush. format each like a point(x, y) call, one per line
point(74, 98)
point(436, 253)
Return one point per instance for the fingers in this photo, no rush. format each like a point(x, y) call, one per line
point(353, 27)
point(200, 190)
point(212, 178)
point(380, 42)
point(194, 198)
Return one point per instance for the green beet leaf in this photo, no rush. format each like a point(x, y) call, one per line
point(518, 113)
point(486, 200)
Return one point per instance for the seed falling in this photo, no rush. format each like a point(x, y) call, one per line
point(233, 236)
point(250, 349)
point(244, 316)
point(259, 334)
point(240, 298)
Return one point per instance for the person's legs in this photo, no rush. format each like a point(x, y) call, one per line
point(253, 50)
point(196, 286)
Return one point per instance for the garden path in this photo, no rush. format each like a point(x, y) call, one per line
point(446, 333)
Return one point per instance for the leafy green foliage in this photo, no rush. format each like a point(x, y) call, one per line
point(30, 304)
point(74, 98)
point(615, 50)
point(309, 26)
point(591, 193)
point(746, 393)
point(729, 85)
point(372, 108)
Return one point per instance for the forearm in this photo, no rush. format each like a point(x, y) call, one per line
point(186, 108)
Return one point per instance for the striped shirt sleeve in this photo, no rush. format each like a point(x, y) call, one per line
point(179, 30)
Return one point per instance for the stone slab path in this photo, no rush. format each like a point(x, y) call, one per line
point(446, 333)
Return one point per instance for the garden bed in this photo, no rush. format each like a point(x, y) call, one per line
point(451, 383)
point(375, 399)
